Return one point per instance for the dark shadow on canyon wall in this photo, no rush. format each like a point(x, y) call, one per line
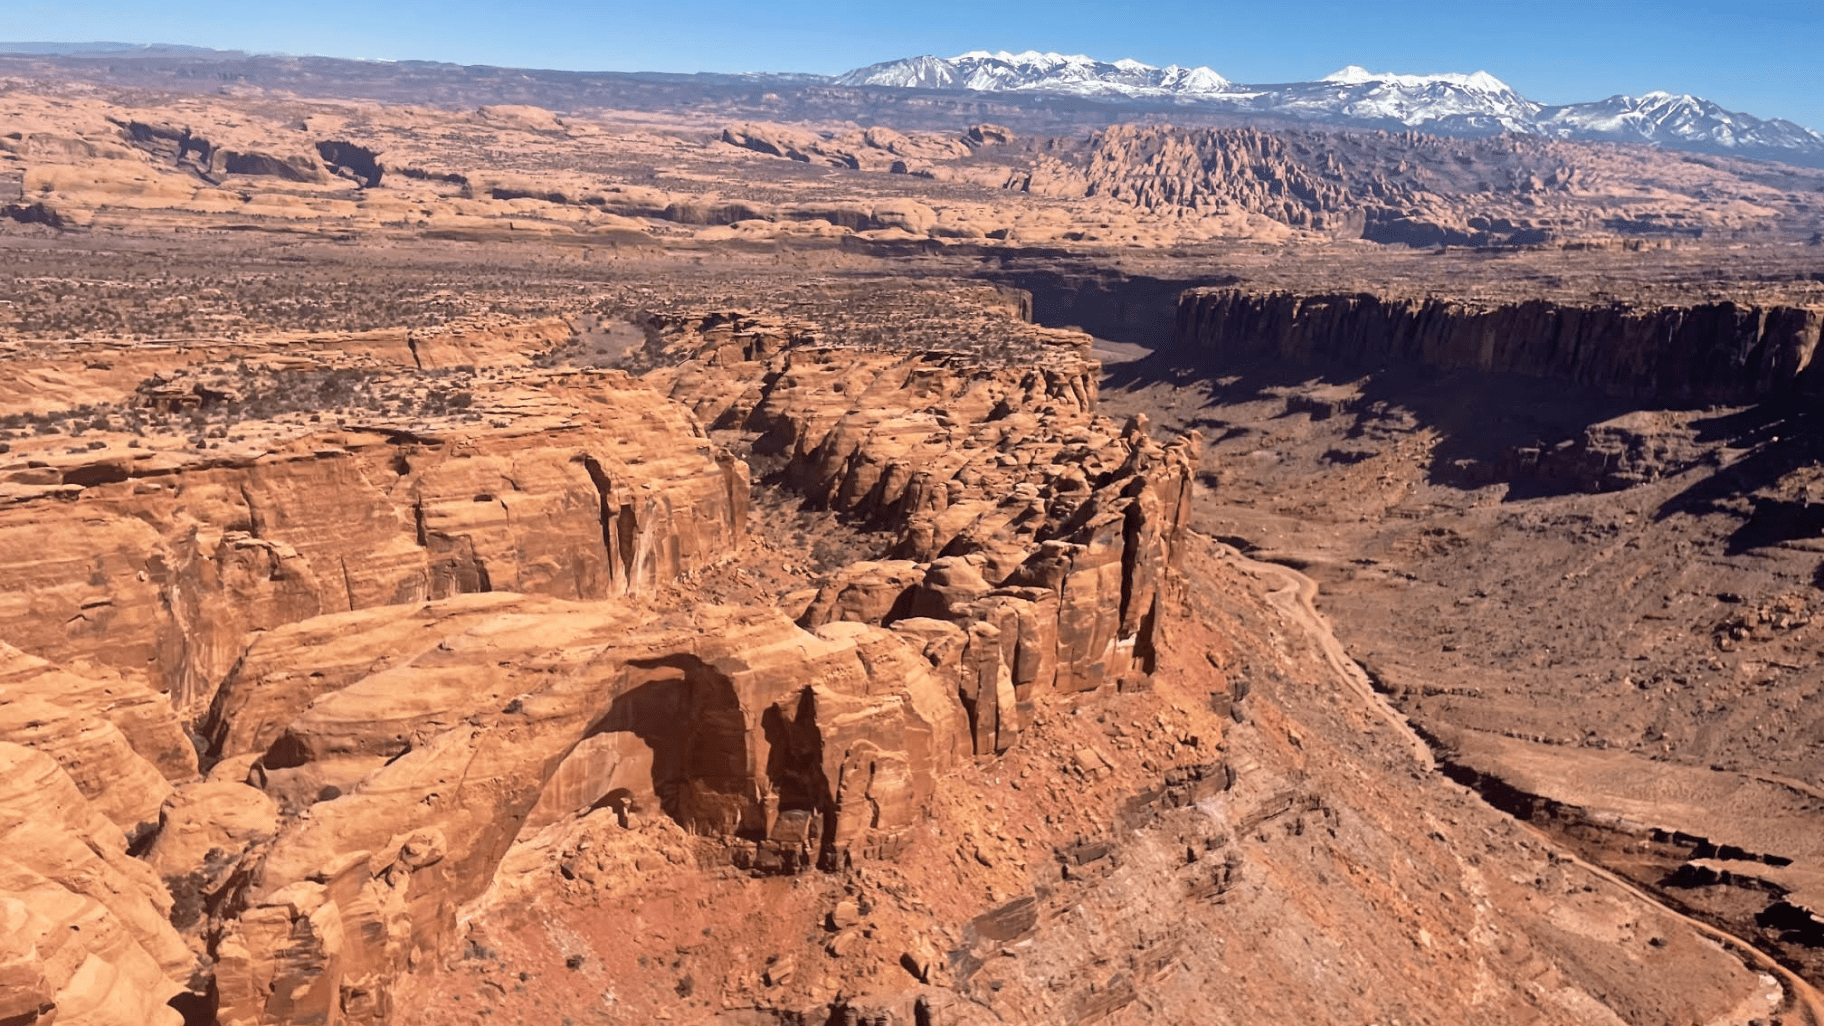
point(1542, 436)
point(1532, 433)
point(687, 712)
point(1136, 309)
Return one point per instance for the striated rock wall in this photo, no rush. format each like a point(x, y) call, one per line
point(1715, 352)
point(383, 762)
point(159, 566)
point(85, 934)
point(240, 153)
point(1243, 168)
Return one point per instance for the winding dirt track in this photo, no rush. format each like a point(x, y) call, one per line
point(1296, 598)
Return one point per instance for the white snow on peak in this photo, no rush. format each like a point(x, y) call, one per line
point(1480, 81)
point(1031, 58)
point(1475, 103)
point(1354, 74)
point(1048, 72)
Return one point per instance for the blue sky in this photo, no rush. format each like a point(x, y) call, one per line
point(1761, 56)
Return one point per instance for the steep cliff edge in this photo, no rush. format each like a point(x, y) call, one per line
point(1039, 527)
point(1720, 352)
point(1041, 754)
point(407, 652)
point(177, 556)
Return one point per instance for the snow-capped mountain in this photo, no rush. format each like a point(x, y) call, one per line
point(1673, 120)
point(1451, 104)
point(1031, 71)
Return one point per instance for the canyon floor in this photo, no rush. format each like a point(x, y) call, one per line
point(504, 565)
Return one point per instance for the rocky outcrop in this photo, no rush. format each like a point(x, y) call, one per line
point(188, 557)
point(390, 797)
point(332, 685)
point(1403, 189)
point(352, 160)
point(411, 749)
point(32, 213)
point(1714, 352)
point(1396, 188)
point(163, 564)
point(1031, 533)
point(907, 215)
point(875, 149)
point(1245, 168)
point(85, 934)
point(119, 741)
point(213, 159)
point(1634, 448)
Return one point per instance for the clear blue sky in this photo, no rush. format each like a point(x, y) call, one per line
point(1761, 56)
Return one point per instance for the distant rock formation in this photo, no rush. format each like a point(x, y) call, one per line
point(1716, 352)
point(875, 149)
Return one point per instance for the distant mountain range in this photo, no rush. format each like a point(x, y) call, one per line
point(121, 49)
point(1035, 72)
point(1049, 90)
point(1451, 104)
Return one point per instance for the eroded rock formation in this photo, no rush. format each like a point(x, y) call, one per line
point(1718, 352)
point(401, 654)
point(1036, 526)
point(176, 559)
point(400, 792)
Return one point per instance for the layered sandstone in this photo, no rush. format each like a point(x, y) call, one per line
point(181, 558)
point(993, 758)
point(411, 655)
point(174, 557)
point(777, 747)
point(402, 789)
point(1036, 527)
point(87, 934)
point(1712, 352)
point(280, 164)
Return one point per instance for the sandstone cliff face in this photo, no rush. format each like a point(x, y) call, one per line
point(231, 152)
point(120, 742)
point(87, 935)
point(1008, 767)
point(400, 791)
point(1037, 528)
point(1718, 352)
point(1401, 188)
point(1245, 168)
point(875, 149)
point(407, 658)
point(492, 720)
point(168, 562)
point(191, 599)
